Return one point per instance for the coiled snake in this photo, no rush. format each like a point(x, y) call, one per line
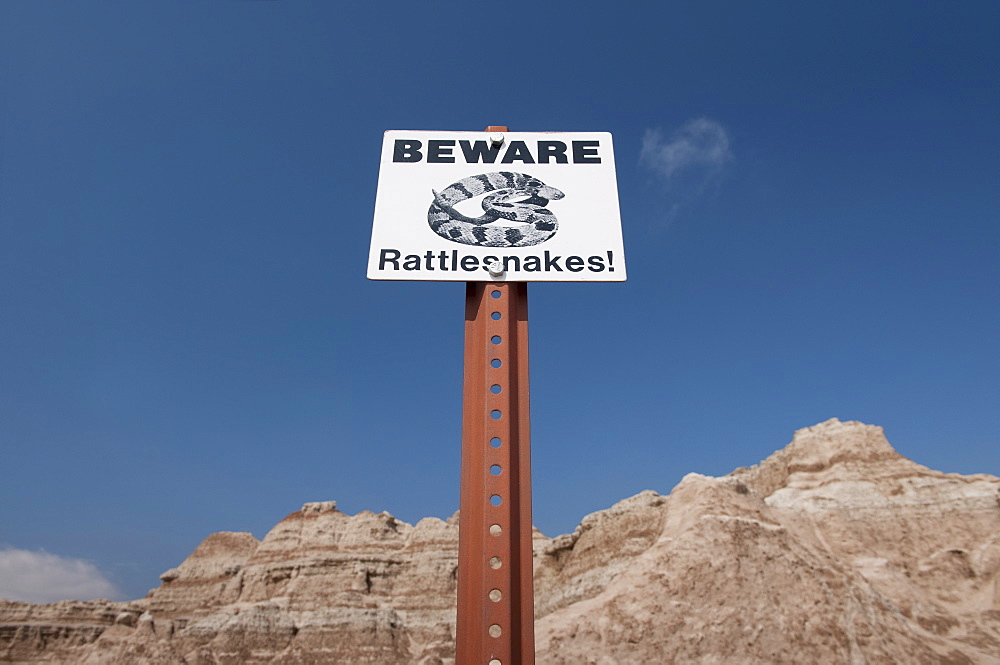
point(515, 197)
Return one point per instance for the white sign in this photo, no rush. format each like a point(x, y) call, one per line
point(516, 206)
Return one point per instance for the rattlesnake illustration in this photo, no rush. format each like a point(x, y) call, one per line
point(516, 197)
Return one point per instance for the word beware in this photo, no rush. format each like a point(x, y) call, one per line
point(443, 260)
point(481, 152)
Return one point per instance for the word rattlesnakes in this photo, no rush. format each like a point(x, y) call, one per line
point(515, 197)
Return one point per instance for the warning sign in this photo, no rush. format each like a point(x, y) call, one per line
point(511, 206)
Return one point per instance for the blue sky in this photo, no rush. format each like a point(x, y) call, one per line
point(188, 343)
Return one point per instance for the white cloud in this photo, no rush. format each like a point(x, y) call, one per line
point(40, 577)
point(698, 150)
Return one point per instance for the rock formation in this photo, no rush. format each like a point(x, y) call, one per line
point(835, 549)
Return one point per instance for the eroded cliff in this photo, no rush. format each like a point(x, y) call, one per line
point(835, 549)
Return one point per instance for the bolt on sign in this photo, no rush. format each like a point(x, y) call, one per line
point(510, 206)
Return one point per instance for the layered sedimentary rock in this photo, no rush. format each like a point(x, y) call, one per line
point(835, 549)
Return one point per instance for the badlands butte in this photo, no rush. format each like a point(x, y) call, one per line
point(835, 549)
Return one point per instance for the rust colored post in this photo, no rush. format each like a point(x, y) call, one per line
point(495, 592)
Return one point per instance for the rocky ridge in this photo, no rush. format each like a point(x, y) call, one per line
point(835, 549)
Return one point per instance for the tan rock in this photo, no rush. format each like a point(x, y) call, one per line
point(835, 549)
point(212, 576)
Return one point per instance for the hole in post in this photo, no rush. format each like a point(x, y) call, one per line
point(495, 662)
point(495, 414)
point(495, 595)
point(495, 500)
point(495, 631)
point(495, 363)
point(496, 339)
point(496, 470)
point(495, 442)
point(495, 389)
point(495, 530)
point(495, 294)
point(495, 316)
point(495, 563)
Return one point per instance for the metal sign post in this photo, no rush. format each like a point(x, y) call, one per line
point(495, 592)
point(549, 212)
